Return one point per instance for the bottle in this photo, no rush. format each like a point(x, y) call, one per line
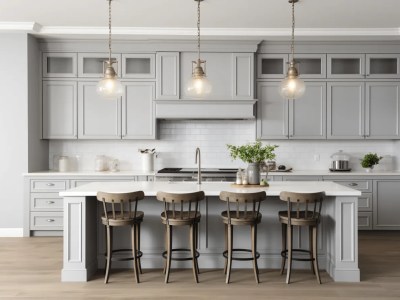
point(239, 177)
point(245, 179)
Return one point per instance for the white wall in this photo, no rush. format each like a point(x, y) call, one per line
point(13, 128)
point(179, 139)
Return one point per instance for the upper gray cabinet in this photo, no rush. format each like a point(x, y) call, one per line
point(345, 65)
point(139, 65)
point(382, 66)
point(92, 64)
point(59, 65)
point(311, 65)
point(167, 73)
point(282, 119)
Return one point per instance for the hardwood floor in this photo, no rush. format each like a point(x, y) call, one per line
point(30, 269)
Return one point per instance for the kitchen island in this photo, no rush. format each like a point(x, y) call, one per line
point(84, 244)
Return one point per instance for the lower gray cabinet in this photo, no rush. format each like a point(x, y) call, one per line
point(386, 202)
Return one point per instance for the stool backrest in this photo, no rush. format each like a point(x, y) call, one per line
point(309, 203)
point(181, 203)
point(120, 203)
point(247, 203)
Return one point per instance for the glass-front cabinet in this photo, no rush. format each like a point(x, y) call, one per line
point(382, 66)
point(346, 66)
point(92, 64)
point(59, 65)
point(139, 65)
point(272, 65)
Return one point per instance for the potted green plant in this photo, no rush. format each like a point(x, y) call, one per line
point(370, 160)
point(253, 154)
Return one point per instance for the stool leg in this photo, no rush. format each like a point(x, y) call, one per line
point(230, 246)
point(169, 250)
point(138, 246)
point(310, 240)
point(109, 249)
point(289, 246)
point(315, 253)
point(226, 246)
point(192, 250)
point(165, 247)
point(284, 230)
point(196, 239)
point(254, 250)
point(134, 252)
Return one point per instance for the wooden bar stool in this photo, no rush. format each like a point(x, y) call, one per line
point(247, 212)
point(118, 212)
point(302, 210)
point(181, 210)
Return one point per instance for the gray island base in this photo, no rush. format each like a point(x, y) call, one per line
point(84, 235)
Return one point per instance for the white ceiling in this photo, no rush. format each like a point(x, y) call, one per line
point(219, 17)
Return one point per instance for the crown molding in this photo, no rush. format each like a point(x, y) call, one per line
point(20, 26)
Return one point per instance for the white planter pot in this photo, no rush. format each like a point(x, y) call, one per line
point(147, 162)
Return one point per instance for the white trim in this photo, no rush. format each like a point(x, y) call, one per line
point(11, 232)
point(20, 26)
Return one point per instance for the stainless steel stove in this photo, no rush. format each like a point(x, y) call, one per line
point(190, 174)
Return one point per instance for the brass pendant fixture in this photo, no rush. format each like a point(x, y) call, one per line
point(198, 86)
point(292, 87)
point(110, 87)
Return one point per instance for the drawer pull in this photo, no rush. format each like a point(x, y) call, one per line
point(353, 184)
point(50, 184)
point(50, 202)
point(50, 220)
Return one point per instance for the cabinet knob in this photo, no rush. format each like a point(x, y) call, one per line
point(50, 184)
point(50, 202)
point(50, 220)
point(353, 184)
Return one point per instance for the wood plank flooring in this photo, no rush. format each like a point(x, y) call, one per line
point(30, 269)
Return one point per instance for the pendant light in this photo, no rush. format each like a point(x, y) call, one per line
point(109, 87)
point(198, 86)
point(292, 87)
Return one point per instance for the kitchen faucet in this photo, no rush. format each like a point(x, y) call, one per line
point(199, 165)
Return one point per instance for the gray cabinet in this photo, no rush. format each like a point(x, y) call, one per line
point(138, 65)
point(138, 121)
point(92, 64)
point(167, 74)
point(98, 118)
point(243, 76)
point(346, 65)
point(272, 65)
point(345, 110)
point(386, 204)
point(59, 65)
point(383, 66)
point(311, 65)
point(59, 110)
point(282, 119)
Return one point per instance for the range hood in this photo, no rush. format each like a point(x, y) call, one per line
point(205, 109)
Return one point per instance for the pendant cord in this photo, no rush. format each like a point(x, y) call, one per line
point(109, 29)
point(198, 29)
point(293, 25)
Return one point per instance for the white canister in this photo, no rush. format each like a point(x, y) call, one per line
point(63, 164)
point(101, 163)
point(147, 162)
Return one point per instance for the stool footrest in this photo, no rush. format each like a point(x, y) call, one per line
point(177, 250)
point(225, 254)
point(284, 254)
point(139, 254)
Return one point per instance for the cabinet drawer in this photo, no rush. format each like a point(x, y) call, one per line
point(48, 185)
point(365, 221)
point(46, 202)
point(46, 221)
point(365, 202)
point(361, 185)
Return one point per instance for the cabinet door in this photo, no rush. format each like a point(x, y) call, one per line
point(307, 115)
point(272, 65)
point(383, 65)
point(346, 65)
point(138, 113)
point(59, 65)
point(311, 65)
point(272, 112)
point(243, 75)
point(98, 118)
point(345, 111)
point(59, 110)
point(138, 65)
point(382, 110)
point(167, 75)
point(386, 205)
point(92, 64)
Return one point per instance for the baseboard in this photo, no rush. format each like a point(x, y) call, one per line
point(11, 232)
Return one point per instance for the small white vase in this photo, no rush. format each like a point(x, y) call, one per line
point(369, 170)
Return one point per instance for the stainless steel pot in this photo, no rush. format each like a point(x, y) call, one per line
point(340, 165)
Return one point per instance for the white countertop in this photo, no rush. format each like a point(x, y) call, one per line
point(91, 173)
point(209, 188)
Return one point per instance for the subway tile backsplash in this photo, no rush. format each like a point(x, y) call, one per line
point(178, 140)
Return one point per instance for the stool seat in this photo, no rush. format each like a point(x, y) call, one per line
point(302, 218)
point(241, 217)
point(127, 218)
point(178, 218)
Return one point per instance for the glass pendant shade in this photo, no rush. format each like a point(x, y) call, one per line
point(198, 87)
point(292, 88)
point(110, 87)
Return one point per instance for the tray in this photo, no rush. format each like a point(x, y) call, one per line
point(249, 185)
point(276, 170)
point(336, 170)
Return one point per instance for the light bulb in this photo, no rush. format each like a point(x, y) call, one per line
point(198, 86)
point(292, 88)
point(110, 88)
